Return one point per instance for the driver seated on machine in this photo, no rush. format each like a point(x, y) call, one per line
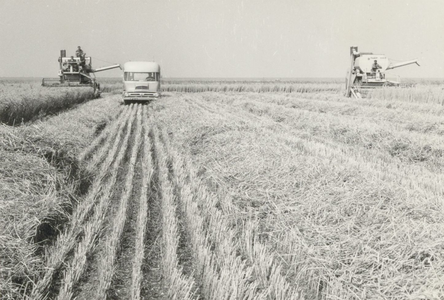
point(79, 52)
point(375, 66)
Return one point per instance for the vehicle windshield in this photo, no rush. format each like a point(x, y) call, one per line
point(141, 76)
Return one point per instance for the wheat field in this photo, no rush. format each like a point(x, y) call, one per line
point(231, 191)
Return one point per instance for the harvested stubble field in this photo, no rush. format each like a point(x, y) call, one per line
point(247, 195)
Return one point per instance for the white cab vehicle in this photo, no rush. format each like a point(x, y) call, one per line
point(141, 80)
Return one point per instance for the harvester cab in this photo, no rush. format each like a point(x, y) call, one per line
point(368, 71)
point(76, 72)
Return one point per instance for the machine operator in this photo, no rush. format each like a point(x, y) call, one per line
point(375, 66)
point(79, 52)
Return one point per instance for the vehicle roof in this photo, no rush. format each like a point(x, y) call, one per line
point(141, 66)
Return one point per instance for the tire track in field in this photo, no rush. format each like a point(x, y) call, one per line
point(110, 250)
point(109, 269)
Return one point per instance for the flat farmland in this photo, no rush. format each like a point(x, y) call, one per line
point(231, 191)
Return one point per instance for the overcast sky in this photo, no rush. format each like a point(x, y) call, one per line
point(222, 38)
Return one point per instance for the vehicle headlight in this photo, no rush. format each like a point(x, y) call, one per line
point(156, 94)
point(125, 94)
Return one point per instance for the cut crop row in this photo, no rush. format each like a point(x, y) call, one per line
point(221, 271)
point(178, 285)
point(331, 202)
point(338, 221)
point(67, 240)
point(76, 267)
point(107, 260)
point(410, 147)
point(104, 136)
point(252, 87)
point(142, 217)
point(372, 160)
point(400, 116)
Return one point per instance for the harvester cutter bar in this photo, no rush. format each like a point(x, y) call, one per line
point(53, 82)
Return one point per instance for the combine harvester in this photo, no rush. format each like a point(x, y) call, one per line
point(76, 72)
point(367, 71)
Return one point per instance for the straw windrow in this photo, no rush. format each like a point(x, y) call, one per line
point(106, 264)
point(258, 278)
point(178, 286)
point(76, 267)
point(147, 172)
point(313, 201)
point(104, 135)
point(67, 240)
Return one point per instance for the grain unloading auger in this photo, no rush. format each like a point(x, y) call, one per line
point(367, 71)
point(76, 72)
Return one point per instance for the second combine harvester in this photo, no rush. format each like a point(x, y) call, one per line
point(367, 71)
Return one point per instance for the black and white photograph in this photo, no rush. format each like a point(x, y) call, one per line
point(221, 150)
